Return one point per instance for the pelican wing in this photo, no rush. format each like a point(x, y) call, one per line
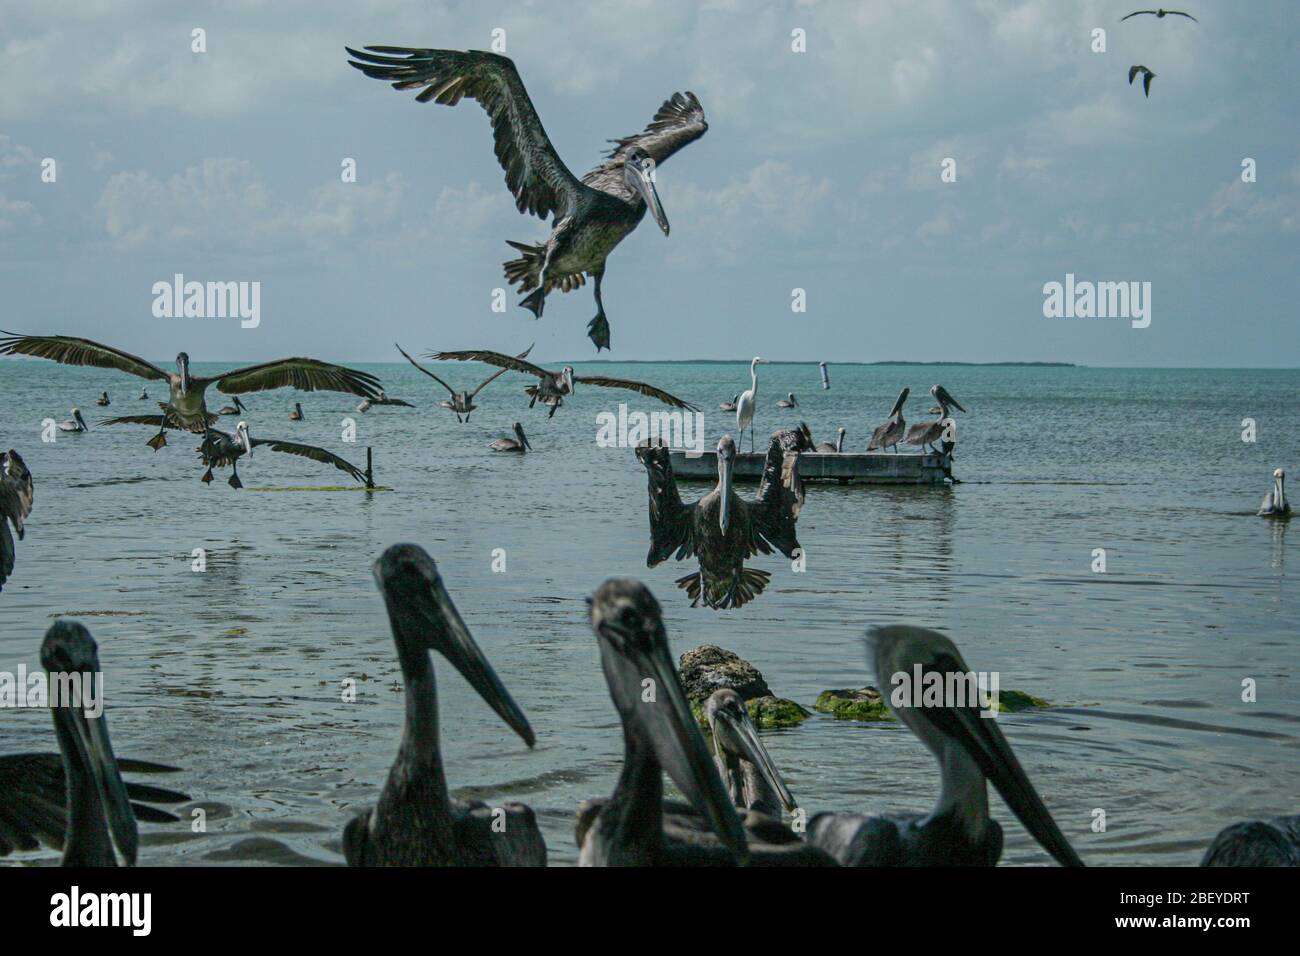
point(492, 358)
point(393, 401)
point(305, 374)
point(157, 420)
point(679, 121)
point(780, 498)
point(671, 522)
point(535, 174)
point(68, 350)
point(425, 370)
point(16, 490)
point(314, 453)
point(642, 387)
point(521, 356)
point(1137, 13)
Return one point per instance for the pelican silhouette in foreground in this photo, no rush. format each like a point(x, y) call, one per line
point(236, 408)
point(74, 424)
point(1275, 504)
point(186, 403)
point(16, 495)
point(416, 822)
point(1159, 14)
point(892, 431)
point(103, 399)
point(296, 415)
point(553, 387)
point(722, 529)
point(971, 752)
point(77, 802)
point(591, 215)
point(731, 405)
point(747, 404)
point(788, 402)
point(462, 403)
point(837, 446)
point(1147, 77)
point(518, 444)
point(1274, 842)
point(381, 399)
point(927, 433)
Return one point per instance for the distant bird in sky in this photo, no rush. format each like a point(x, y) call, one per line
point(1147, 77)
point(1160, 14)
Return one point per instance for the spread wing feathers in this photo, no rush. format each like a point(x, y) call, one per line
point(524, 271)
point(642, 387)
point(314, 453)
point(425, 370)
point(780, 498)
point(671, 522)
point(491, 358)
point(305, 374)
point(17, 491)
point(487, 381)
point(535, 174)
point(73, 351)
point(679, 121)
point(33, 799)
point(157, 420)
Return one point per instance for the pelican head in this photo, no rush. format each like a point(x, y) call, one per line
point(791, 399)
point(639, 173)
point(68, 649)
point(968, 744)
point(726, 465)
point(242, 431)
point(424, 619)
point(735, 739)
point(945, 400)
point(183, 370)
point(566, 376)
point(519, 433)
point(633, 648)
point(899, 402)
point(76, 414)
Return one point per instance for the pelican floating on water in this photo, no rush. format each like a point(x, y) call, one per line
point(382, 399)
point(103, 399)
point(892, 431)
point(237, 408)
point(748, 402)
point(927, 433)
point(462, 403)
point(722, 529)
point(555, 386)
point(75, 424)
point(1275, 504)
point(296, 415)
point(416, 822)
point(518, 444)
point(731, 405)
point(971, 752)
point(186, 403)
point(144, 394)
point(16, 496)
point(1274, 842)
point(837, 447)
point(591, 215)
point(788, 402)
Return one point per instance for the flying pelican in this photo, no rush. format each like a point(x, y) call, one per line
point(1275, 504)
point(731, 405)
point(1274, 842)
point(554, 386)
point(16, 494)
point(186, 402)
point(927, 433)
point(518, 444)
point(416, 822)
point(296, 414)
point(722, 529)
point(828, 447)
point(383, 399)
point(745, 407)
point(788, 402)
point(236, 409)
point(1147, 77)
point(971, 752)
point(892, 431)
point(82, 803)
point(103, 399)
point(462, 403)
point(75, 424)
point(591, 216)
point(1160, 14)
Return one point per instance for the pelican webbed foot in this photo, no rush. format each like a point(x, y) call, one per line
point(598, 331)
point(234, 480)
point(207, 477)
point(536, 302)
point(157, 441)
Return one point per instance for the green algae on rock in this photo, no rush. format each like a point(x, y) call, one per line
point(708, 668)
point(866, 703)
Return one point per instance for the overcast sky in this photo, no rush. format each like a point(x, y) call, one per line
point(820, 170)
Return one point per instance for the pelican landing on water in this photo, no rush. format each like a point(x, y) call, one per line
point(17, 493)
point(416, 822)
point(591, 215)
point(462, 403)
point(971, 752)
point(1275, 504)
point(892, 431)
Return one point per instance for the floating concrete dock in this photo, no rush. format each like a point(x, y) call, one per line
point(867, 468)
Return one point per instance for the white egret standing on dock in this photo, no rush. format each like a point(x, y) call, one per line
point(746, 404)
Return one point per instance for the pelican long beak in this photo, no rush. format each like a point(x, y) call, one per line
point(94, 753)
point(724, 482)
point(183, 366)
point(745, 737)
point(523, 440)
point(947, 400)
point(643, 179)
point(245, 439)
point(82, 422)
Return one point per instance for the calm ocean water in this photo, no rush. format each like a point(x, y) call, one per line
point(234, 674)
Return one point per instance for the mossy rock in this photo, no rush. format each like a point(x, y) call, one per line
point(1013, 701)
point(708, 668)
point(867, 704)
point(767, 713)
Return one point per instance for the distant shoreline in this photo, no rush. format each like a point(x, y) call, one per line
point(812, 362)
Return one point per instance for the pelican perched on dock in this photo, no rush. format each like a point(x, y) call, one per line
point(237, 408)
point(554, 387)
point(788, 402)
point(296, 415)
point(927, 433)
point(892, 431)
point(1274, 842)
point(971, 752)
point(74, 424)
point(731, 405)
point(186, 402)
point(837, 447)
point(748, 402)
point(722, 529)
point(416, 822)
point(77, 802)
point(591, 215)
point(382, 399)
point(103, 399)
point(1275, 504)
point(462, 403)
point(16, 495)
point(518, 444)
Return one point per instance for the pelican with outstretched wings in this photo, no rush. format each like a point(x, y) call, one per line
point(1159, 14)
point(1147, 77)
point(462, 403)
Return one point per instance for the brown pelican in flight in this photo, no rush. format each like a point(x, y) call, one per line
point(554, 386)
point(1275, 504)
point(296, 415)
point(837, 447)
point(74, 424)
point(748, 402)
point(788, 402)
point(518, 444)
point(382, 399)
point(1147, 77)
point(722, 529)
point(591, 215)
point(103, 399)
point(416, 822)
point(1274, 842)
point(77, 802)
point(16, 495)
point(731, 405)
point(1159, 14)
point(462, 403)
point(927, 433)
point(971, 752)
point(186, 402)
point(892, 431)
